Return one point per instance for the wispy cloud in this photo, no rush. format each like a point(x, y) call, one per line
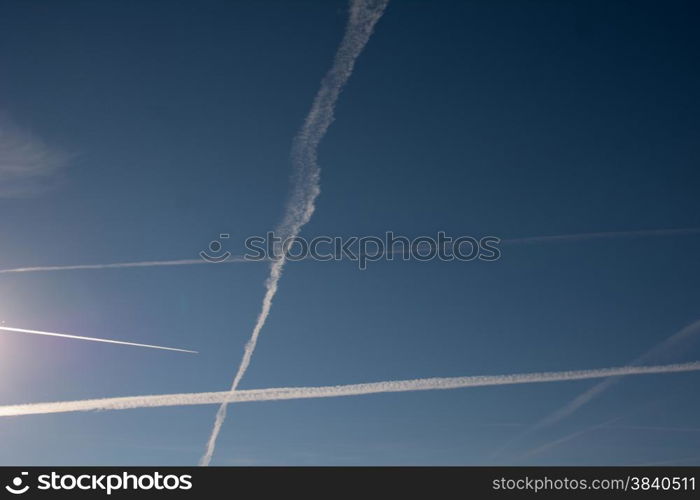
point(364, 14)
point(27, 164)
point(286, 393)
point(91, 339)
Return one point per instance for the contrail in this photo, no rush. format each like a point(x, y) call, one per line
point(686, 333)
point(92, 339)
point(588, 395)
point(286, 393)
point(568, 437)
point(678, 461)
point(237, 259)
point(364, 14)
point(120, 265)
point(560, 238)
point(603, 235)
point(655, 428)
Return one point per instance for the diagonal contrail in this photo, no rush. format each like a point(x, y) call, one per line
point(585, 397)
point(564, 439)
point(285, 393)
point(683, 335)
point(92, 339)
point(363, 16)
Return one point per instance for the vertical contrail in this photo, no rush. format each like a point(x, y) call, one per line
point(364, 14)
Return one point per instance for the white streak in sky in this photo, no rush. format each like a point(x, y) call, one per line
point(656, 352)
point(595, 391)
point(285, 393)
point(237, 259)
point(92, 339)
point(364, 14)
point(121, 265)
point(568, 437)
point(603, 235)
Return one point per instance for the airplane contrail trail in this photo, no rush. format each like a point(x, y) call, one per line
point(364, 14)
point(686, 333)
point(119, 265)
point(585, 397)
point(564, 439)
point(238, 259)
point(558, 238)
point(603, 235)
point(92, 339)
point(287, 393)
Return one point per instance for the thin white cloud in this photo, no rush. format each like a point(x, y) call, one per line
point(27, 164)
point(286, 393)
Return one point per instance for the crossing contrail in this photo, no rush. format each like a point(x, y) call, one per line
point(364, 14)
point(92, 339)
point(585, 397)
point(286, 393)
point(685, 334)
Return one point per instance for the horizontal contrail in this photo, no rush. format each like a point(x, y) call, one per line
point(554, 238)
point(655, 428)
point(283, 393)
point(237, 259)
point(92, 339)
point(120, 265)
point(603, 235)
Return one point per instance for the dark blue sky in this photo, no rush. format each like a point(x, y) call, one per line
point(515, 119)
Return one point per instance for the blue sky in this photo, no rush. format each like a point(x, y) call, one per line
point(172, 123)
